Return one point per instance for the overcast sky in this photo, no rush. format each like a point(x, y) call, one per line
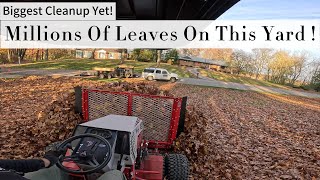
point(273, 9)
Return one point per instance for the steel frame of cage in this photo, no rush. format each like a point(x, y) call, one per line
point(175, 114)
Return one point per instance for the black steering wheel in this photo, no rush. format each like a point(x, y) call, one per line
point(85, 158)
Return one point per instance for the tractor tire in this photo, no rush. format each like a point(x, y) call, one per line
point(127, 75)
point(101, 76)
point(176, 167)
point(149, 78)
point(173, 79)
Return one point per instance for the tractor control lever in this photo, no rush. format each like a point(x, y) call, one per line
point(123, 148)
point(145, 151)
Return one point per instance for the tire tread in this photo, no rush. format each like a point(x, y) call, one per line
point(177, 167)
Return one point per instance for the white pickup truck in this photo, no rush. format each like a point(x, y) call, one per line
point(159, 74)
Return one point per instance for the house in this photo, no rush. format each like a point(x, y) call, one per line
point(108, 54)
point(84, 53)
point(191, 61)
point(99, 53)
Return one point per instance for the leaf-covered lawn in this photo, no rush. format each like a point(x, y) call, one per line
point(229, 134)
point(246, 135)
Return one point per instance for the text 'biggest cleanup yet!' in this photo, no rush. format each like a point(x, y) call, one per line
point(55, 11)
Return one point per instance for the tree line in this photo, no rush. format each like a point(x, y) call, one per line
point(277, 66)
point(32, 55)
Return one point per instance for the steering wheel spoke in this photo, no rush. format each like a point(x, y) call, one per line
point(69, 146)
point(93, 162)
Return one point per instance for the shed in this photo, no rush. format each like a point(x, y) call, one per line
point(191, 61)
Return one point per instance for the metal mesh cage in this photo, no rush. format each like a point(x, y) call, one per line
point(156, 116)
point(155, 111)
point(102, 104)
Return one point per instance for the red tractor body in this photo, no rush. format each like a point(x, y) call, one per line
point(162, 118)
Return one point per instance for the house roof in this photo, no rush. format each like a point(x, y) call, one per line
point(205, 61)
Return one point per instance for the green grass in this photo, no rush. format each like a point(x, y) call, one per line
point(89, 64)
point(238, 79)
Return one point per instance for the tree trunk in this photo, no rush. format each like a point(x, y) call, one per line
point(122, 57)
point(125, 54)
point(21, 54)
point(268, 75)
point(47, 54)
point(9, 55)
point(37, 55)
point(257, 74)
point(158, 57)
point(93, 52)
point(304, 82)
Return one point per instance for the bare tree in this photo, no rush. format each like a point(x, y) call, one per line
point(10, 55)
point(190, 52)
point(315, 68)
point(16, 54)
point(309, 70)
point(217, 54)
point(240, 61)
point(47, 54)
point(123, 55)
point(298, 64)
point(93, 52)
point(261, 59)
point(37, 54)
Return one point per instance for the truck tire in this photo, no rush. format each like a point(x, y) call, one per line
point(149, 78)
point(176, 167)
point(173, 79)
point(127, 75)
point(101, 76)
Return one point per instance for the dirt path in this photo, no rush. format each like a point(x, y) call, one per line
point(205, 81)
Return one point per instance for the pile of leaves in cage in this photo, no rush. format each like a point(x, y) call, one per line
point(37, 111)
